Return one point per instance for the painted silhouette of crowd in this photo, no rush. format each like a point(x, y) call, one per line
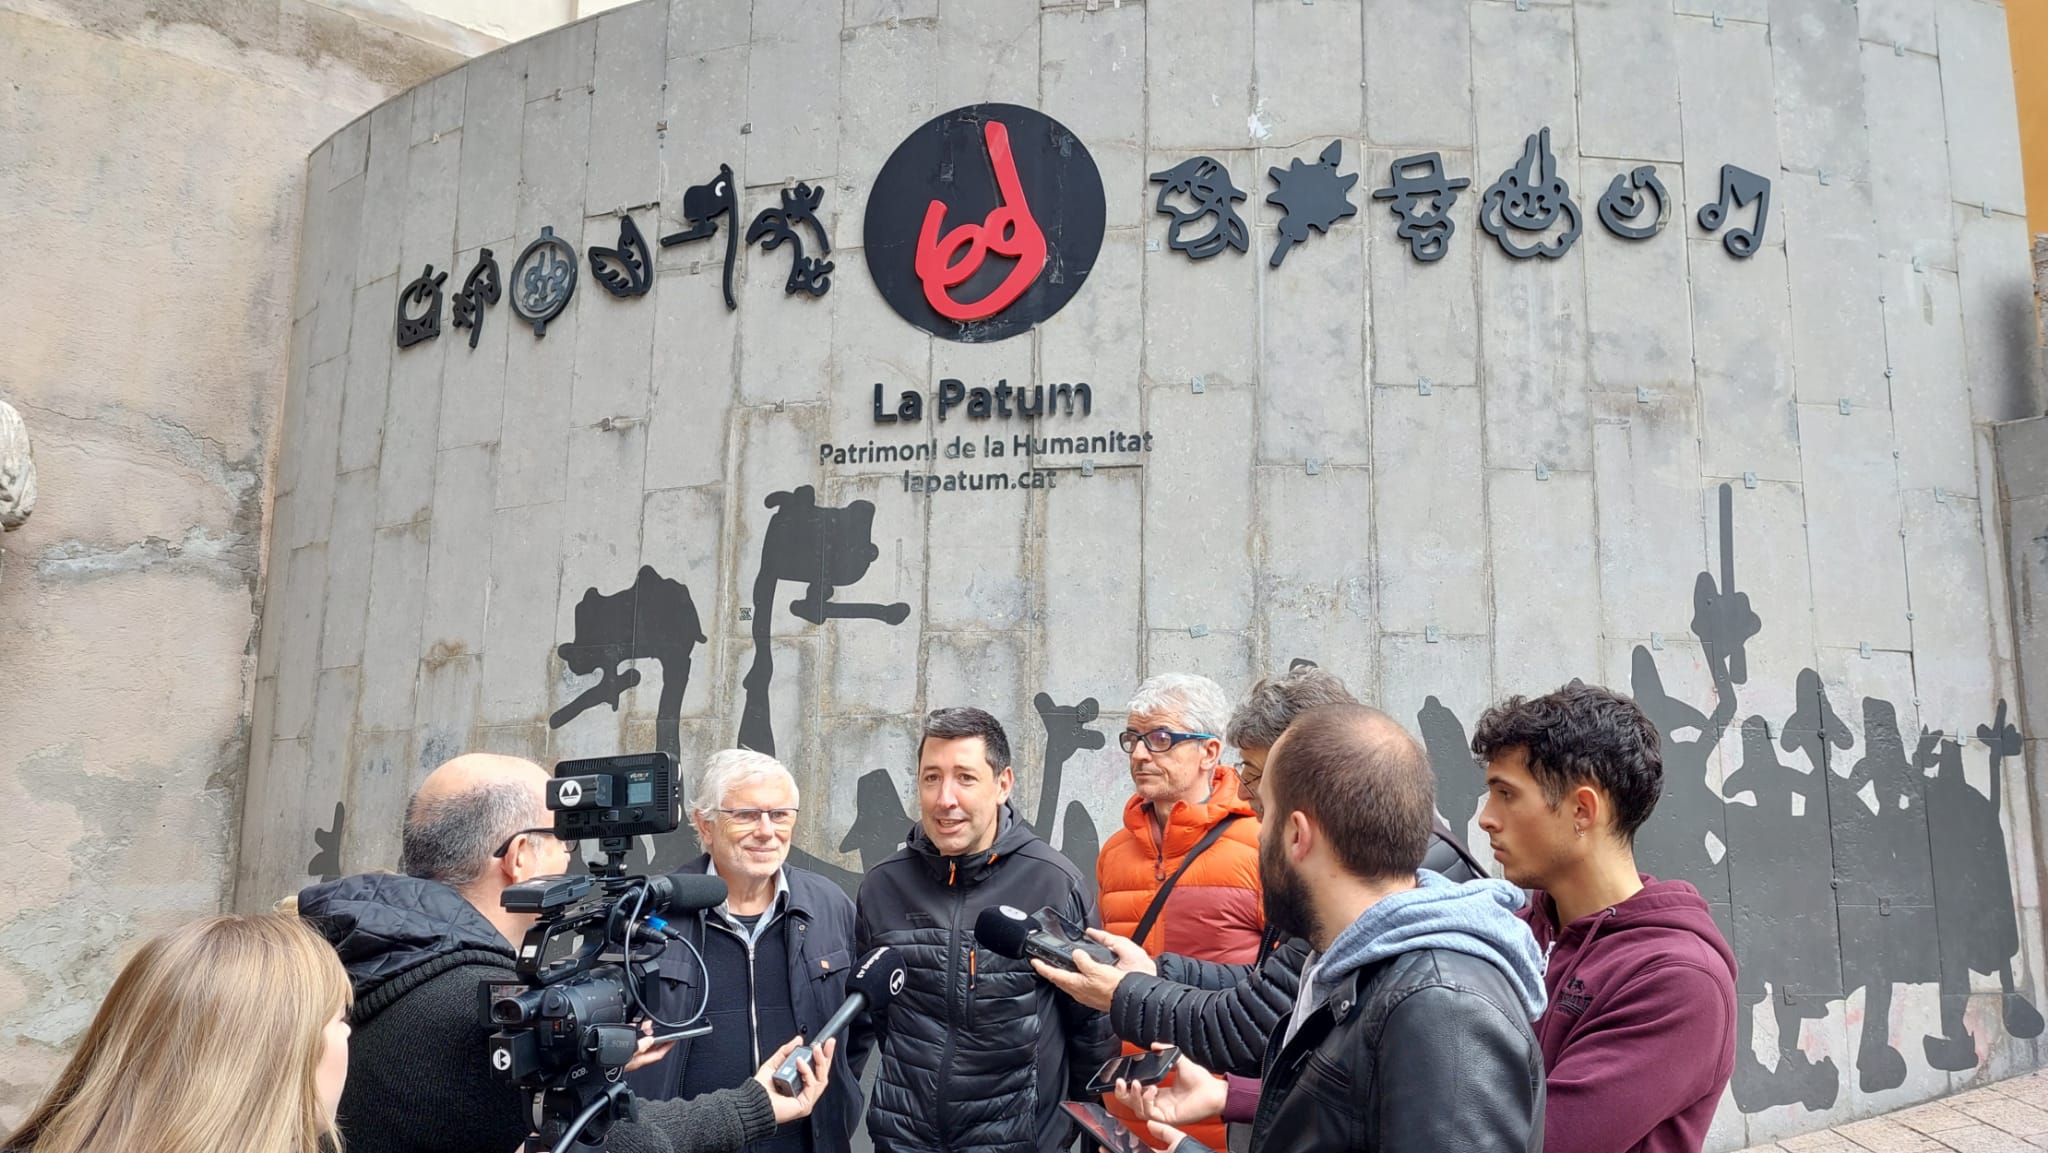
point(1828, 874)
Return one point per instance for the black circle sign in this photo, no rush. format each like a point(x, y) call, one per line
point(984, 222)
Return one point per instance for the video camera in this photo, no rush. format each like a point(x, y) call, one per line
point(567, 1029)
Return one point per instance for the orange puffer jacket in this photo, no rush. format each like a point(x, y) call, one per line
point(1215, 911)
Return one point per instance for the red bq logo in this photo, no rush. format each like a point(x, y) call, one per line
point(1008, 230)
point(1041, 213)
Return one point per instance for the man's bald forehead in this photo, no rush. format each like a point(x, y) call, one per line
point(1361, 725)
point(472, 771)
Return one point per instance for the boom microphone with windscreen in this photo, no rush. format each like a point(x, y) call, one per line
point(1011, 932)
point(679, 893)
point(873, 985)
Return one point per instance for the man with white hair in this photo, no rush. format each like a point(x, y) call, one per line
point(1182, 875)
point(776, 955)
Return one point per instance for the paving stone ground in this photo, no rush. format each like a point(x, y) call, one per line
point(2006, 1117)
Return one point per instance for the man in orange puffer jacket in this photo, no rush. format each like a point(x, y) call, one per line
point(1184, 791)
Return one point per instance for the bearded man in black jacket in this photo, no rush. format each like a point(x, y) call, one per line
point(417, 947)
point(1220, 1014)
point(976, 1053)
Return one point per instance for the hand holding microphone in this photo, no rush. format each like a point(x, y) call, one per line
point(873, 985)
point(1013, 933)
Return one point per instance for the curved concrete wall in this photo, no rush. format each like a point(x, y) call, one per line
point(1448, 480)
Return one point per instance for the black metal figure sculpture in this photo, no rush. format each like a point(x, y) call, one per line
point(480, 289)
point(1208, 183)
point(1624, 209)
point(626, 270)
point(1422, 198)
point(1530, 197)
point(703, 204)
point(1314, 195)
point(543, 280)
point(1739, 186)
point(426, 326)
point(775, 227)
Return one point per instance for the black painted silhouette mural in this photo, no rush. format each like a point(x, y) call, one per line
point(1067, 731)
point(1885, 901)
point(1826, 876)
point(1459, 785)
point(1973, 894)
point(326, 862)
point(653, 619)
point(824, 549)
point(1829, 869)
point(1785, 936)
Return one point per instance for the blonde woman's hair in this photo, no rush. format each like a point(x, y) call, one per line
point(209, 1042)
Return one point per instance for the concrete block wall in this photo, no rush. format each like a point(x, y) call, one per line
point(1449, 482)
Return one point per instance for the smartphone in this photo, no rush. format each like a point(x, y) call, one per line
point(1147, 1068)
point(1107, 1130)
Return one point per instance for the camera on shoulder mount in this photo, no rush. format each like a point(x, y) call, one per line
point(566, 1030)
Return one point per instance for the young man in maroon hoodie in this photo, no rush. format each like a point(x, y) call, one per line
point(1639, 1037)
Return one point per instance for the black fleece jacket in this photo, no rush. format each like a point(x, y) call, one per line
point(418, 1078)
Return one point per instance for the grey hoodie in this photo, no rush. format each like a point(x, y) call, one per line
point(1476, 918)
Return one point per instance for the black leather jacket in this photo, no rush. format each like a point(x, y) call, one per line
point(1220, 1014)
point(1461, 1069)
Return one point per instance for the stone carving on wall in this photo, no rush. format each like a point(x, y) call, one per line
point(17, 471)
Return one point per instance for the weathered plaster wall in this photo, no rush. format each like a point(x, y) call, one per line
point(152, 164)
point(1447, 481)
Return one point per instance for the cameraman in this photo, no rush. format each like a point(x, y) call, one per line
point(417, 948)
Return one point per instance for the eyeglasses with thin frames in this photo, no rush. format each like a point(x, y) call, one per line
point(748, 818)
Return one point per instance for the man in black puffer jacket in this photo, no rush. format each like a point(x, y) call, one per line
point(417, 947)
point(976, 1053)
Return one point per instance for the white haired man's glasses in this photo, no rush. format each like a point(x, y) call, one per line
point(748, 818)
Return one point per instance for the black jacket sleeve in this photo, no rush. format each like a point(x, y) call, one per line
point(1454, 1073)
point(1222, 1029)
point(1090, 1041)
point(719, 1122)
point(1183, 970)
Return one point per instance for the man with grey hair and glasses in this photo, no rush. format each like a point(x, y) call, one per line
point(418, 944)
point(775, 955)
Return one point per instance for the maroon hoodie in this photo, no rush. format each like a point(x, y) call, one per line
point(1639, 1038)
